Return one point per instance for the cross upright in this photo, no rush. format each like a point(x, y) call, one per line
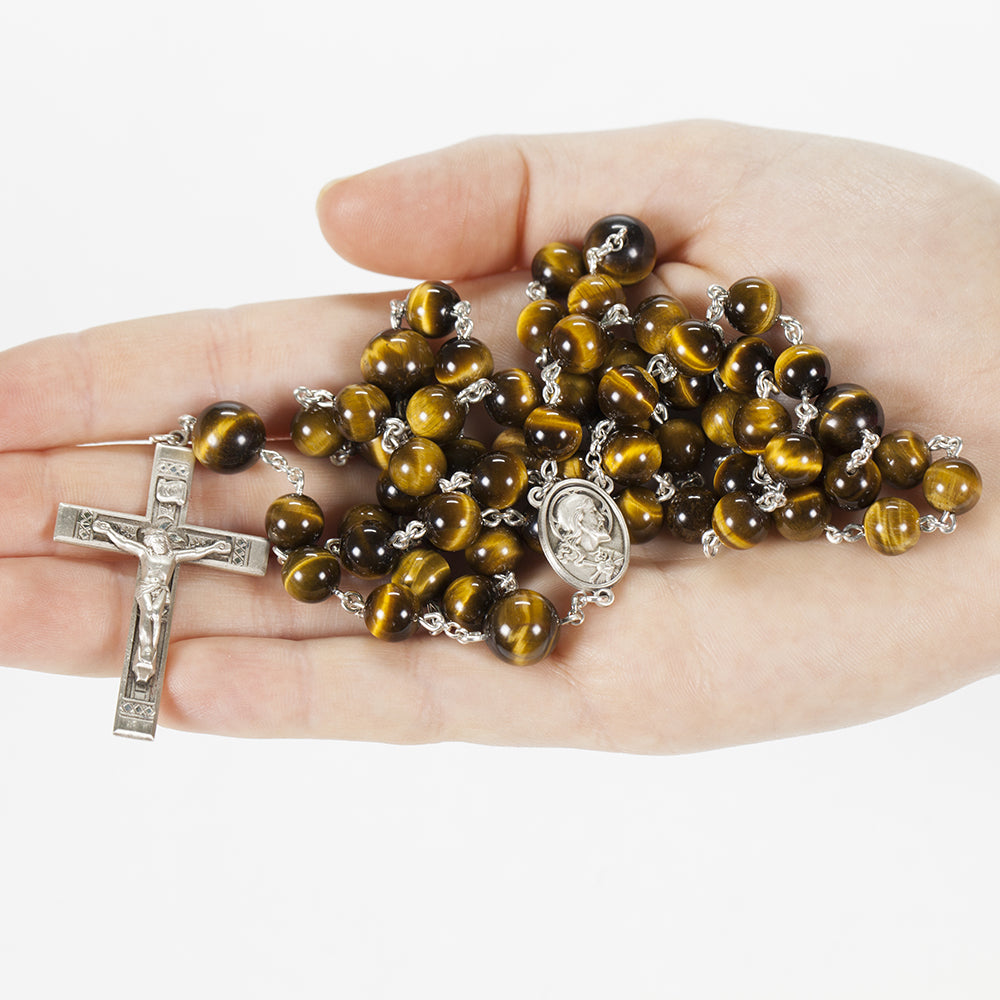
point(162, 541)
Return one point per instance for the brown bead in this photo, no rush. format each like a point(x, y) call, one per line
point(734, 473)
point(397, 361)
point(522, 627)
point(845, 412)
point(393, 499)
point(688, 513)
point(535, 322)
point(577, 394)
point(293, 520)
point(694, 347)
point(499, 480)
point(805, 514)
point(852, 489)
point(631, 456)
point(594, 294)
point(757, 421)
point(739, 522)
point(417, 465)
point(496, 550)
point(511, 440)
point(902, 457)
point(655, 318)
point(718, 414)
point(515, 395)
point(468, 600)
point(359, 512)
point(462, 453)
point(793, 458)
point(227, 437)
point(462, 361)
point(580, 343)
point(453, 521)
point(628, 395)
point(686, 392)
point(643, 513)
point(743, 362)
point(391, 612)
point(637, 257)
point(552, 433)
point(310, 574)
point(434, 412)
point(366, 549)
point(374, 454)
point(558, 266)
point(753, 305)
point(362, 410)
point(892, 525)
point(953, 484)
point(802, 370)
point(424, 571)
point(430, 308)
point(682, 443)
point(315, 432)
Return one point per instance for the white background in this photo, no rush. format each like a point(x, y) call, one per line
point(163, 157)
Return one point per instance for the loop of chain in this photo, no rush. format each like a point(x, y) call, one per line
point(397, 313)
point(946, 523)
point(546, 476)
point(773, 496)
point(766, 385)
point(661, 369)
point(660, 414)
point(504, 584)
point(278, 462)
point(437, 624)
point(575, 616)
point(551, 393)
point(869, 442)
point(711, 544)
point(458, 483)
point(665, 486)
point(463, 320)
point(617, 315)
point(313, 399)
point(792, 328)
point(850, 533)
point(351, 601)
point(806, 413)
point(952, 446)
point(406, 537)
point(592, 461)
point(718, 297)
point(475, 392)
point(394, 433)
point(181, 437)
point(343, 454)
point(492, 517)
point(614, 243)
point(536, 291)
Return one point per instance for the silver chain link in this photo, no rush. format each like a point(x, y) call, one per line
point(661, 369)
point(792, 329)
point(551, 393)
point(806, 413)
point(313, 399)
point(718, 297)
point(536, 291)
point(179, 438)
point(601, 598)
point(946, 523)
point(352, 602)
point(475, 392)
point(598, 438)
point(766, 385)
point(404, 538)
point(614, 243)
point(436, 623)
point(463, 320)
point(458, 483)
point(617, 315)
point(397, 313)
point(711, 544)
point(665, 486)
point(850, 533)
point(492, 517)
point(395, 433)
point(343, 454)
point(504, 584)
point(869, 442)
point(278, 462)
point(773, 495)
point(544, 479)
point(952, 446)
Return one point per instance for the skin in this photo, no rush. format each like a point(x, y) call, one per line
point(890, 260)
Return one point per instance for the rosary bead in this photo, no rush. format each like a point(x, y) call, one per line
point(734, 473)
point(391, 612)
point(374, 454)
point(511, 440)
point(468, 600)
point(417, 465)
point(359, 512)
point(558, 266)
point(655, 318)
point(752, 305)
point(742, 363)
point(228, 437)
point(315, 432)
point(686, 392)
point(621, 353)
point(580, 343)
point(594, 294)
point(522, 627)
point(577, 395)
point(805, 514)
point(902, 457)
point(362, 410)
point(952, 484)
point(499, 480)
point(637, 257)
point(643, 513)
point(366, 550)
point(397, 361)
point(462, 453)
point(757, 421)
point(793, 458)
point(892, 525)
point(694, 347)
point(739, 522)
point(430, 308)
point(424, 571)
point(688, 513)
point(310, 574)
point(535, 322)
point(516, 393)
point(393, 499)
point(802, 371)
point(434, 412)
point(293, 520)
point(845, 412)
point(717, 417)
point(460, 362)
point(852, 490)
point(496, 550)
point(552, 433)
point(631, 456)
point(628, 395)
point(453, 521)
point(682, 443)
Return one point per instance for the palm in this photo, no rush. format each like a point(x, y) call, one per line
point(887, 259)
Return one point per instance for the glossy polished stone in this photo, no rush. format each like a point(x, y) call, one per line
point(577, 395)
point(631, 456)
point(845, 412)
point(734, 473)
point(804, 516)
point(391, 612)
point(686, 392)
point(552, 433)
point(637, 257)
point(694, 347)
point(594, 294)
point(753, 306)
point(460, 362)
point(496, 550)
point(558, 266)
point(522, 628)
point(292, 521)
point(903, 457)
point(515, 395)
point(467, 600)
point(453, 521)
point(462, 453)
point(743, 362)
point(688, 513)
point(952, 484)
point(682, 444)
point(717, 416)
point(655, 318)
point(361, 410)
point(499, 479)
point(366, 550)
point(315, 432)
point(228, 437)
point(425, 571)
point(417, 465)
point(643, 513)
point(310, 574)
point(397, 361)
point(430, 308)
point(851, 490)
point(535, 323)
point(757, 421)
point(802, 370)
point(393, 499)
point(580, 343)
point(359, 512)
point(739, 522)
point(433, 411)
point(892, 526)
point(793, 458)
point(628, 395)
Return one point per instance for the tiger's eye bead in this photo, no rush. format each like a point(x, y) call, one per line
point(794, 459)
point(511, 440)
point(628, 395)
point(515, 395)
point(655, 318)
point(417, 465)
point(374, 454)
point(453, 521)
point(852, 490)
point(902, 457)
point(366, 549)
point(637, 257)
point(359, 512)
point(310, 574)
point(682, 443)
point(460, 362)
point(643, 513)
point(462, 453)
point(393, 499)
point(293, 520)
point(361, 410)
point(424, 571)
point(802, 370)
point(391, 612)
point(687, 392)
point(522, 627)
point(688, 514)
point(577, 394)
point(580, 343)
point(734, 473)
point(804, 516)
point(430, 308)
point(739, 522)
point(953, 484)
point(552, 433)
point(315, 432)
point(499, 480)
point(753, 305)
point(496, 550)
point(718, 414)
point(694, 347)
point(397, 361)
point(535, 322)
point(594, 294)
point(892, 525)
point(228, 437)
point(622, 352)
point(631, 456)
point(743, 362)
point(757, 421)
point(468, 600)
point(845, 412)
point(558, 266)
point(434, 412)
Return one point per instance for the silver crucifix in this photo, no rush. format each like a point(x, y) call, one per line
point(162, 541)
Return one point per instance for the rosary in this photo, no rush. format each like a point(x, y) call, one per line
point(636, 421)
